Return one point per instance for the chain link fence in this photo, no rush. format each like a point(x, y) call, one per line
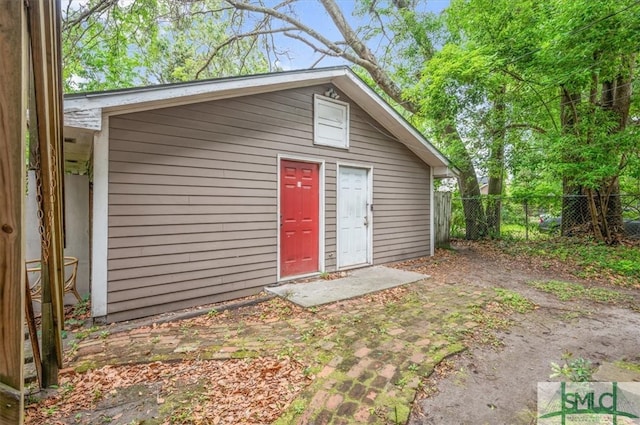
point(539, 217)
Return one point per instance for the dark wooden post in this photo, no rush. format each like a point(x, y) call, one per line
point(44, 27)
point(12, 186)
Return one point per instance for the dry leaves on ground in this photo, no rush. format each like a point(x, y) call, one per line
point(249, 391)
point(266, 312)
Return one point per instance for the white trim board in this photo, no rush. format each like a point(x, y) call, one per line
point(100, 236)
point(432, 235)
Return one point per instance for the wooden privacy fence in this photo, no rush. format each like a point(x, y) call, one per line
point(30, 57)
point(442, 217)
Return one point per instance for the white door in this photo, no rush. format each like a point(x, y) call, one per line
point(353, 216)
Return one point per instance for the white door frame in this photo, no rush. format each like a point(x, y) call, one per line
point(369, 170)
point(321, 220)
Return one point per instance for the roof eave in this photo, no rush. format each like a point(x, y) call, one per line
point(85, 111)
point(393, 122)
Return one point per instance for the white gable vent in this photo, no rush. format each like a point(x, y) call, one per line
point(330, 122)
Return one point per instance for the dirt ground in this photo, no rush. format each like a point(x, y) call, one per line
point(490, 384)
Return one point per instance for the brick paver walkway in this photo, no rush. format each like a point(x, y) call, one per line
point(367, 356)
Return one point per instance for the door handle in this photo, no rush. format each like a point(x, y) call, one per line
point(366, 221)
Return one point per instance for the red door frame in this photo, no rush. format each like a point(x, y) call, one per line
point(300, 217)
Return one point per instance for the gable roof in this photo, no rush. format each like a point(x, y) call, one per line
point(83, 112)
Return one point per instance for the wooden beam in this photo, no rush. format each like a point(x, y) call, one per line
point(11, 401)
point(33, 330)
point(12, 184)
point(44, 20)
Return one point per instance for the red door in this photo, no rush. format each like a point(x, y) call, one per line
point(299, 210)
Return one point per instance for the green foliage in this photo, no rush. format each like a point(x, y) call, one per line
point(573, 369)
point(152, 41)
point(81, 307)
point(514, 301)
point(566, 291)
point(521, 54)
point(457, 221)
point(620, 263)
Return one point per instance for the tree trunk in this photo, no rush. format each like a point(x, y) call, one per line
point(475, 220)
point(575, 208)
point(616, 97)
point(496, 166)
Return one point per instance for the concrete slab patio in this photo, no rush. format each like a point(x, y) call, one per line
point(359, 282)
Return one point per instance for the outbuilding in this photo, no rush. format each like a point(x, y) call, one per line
point(211, 190)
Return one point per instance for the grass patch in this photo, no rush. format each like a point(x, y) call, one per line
point(566, 291)
point(632, 366)
point(295, 409)
point(514, 301)
point(621, 264)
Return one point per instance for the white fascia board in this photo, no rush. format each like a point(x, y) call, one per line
point(390, 119)
point(86, 119)
point(147, 98)
point(444, 172)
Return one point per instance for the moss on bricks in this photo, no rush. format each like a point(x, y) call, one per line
point(86, 366)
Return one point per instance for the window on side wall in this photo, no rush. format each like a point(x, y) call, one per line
point(330, 122)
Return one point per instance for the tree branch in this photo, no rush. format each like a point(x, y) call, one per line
point(240, 5)
point(99, 7)
point(367, 59)
point(522, 125)
point(363, 56)
point(235, 38)
point(301, 39)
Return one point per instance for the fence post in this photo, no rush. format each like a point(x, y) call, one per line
point(442, 209)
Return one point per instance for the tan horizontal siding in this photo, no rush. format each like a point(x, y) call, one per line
point(193, 136)
point(182, 181)
point(416, 228)
point(193, 197)
point(175, 257)
point(171, 258)
point(125, 242)
point(145, 158)
point(118, 312)
point(193, 208)
point(400, 254)
point(151, 220)
point(118, 232)
point(193, 289)
point(166, 269)
point(197, 191)
point(178, 171)
point(163, 283)
point(168, 248)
